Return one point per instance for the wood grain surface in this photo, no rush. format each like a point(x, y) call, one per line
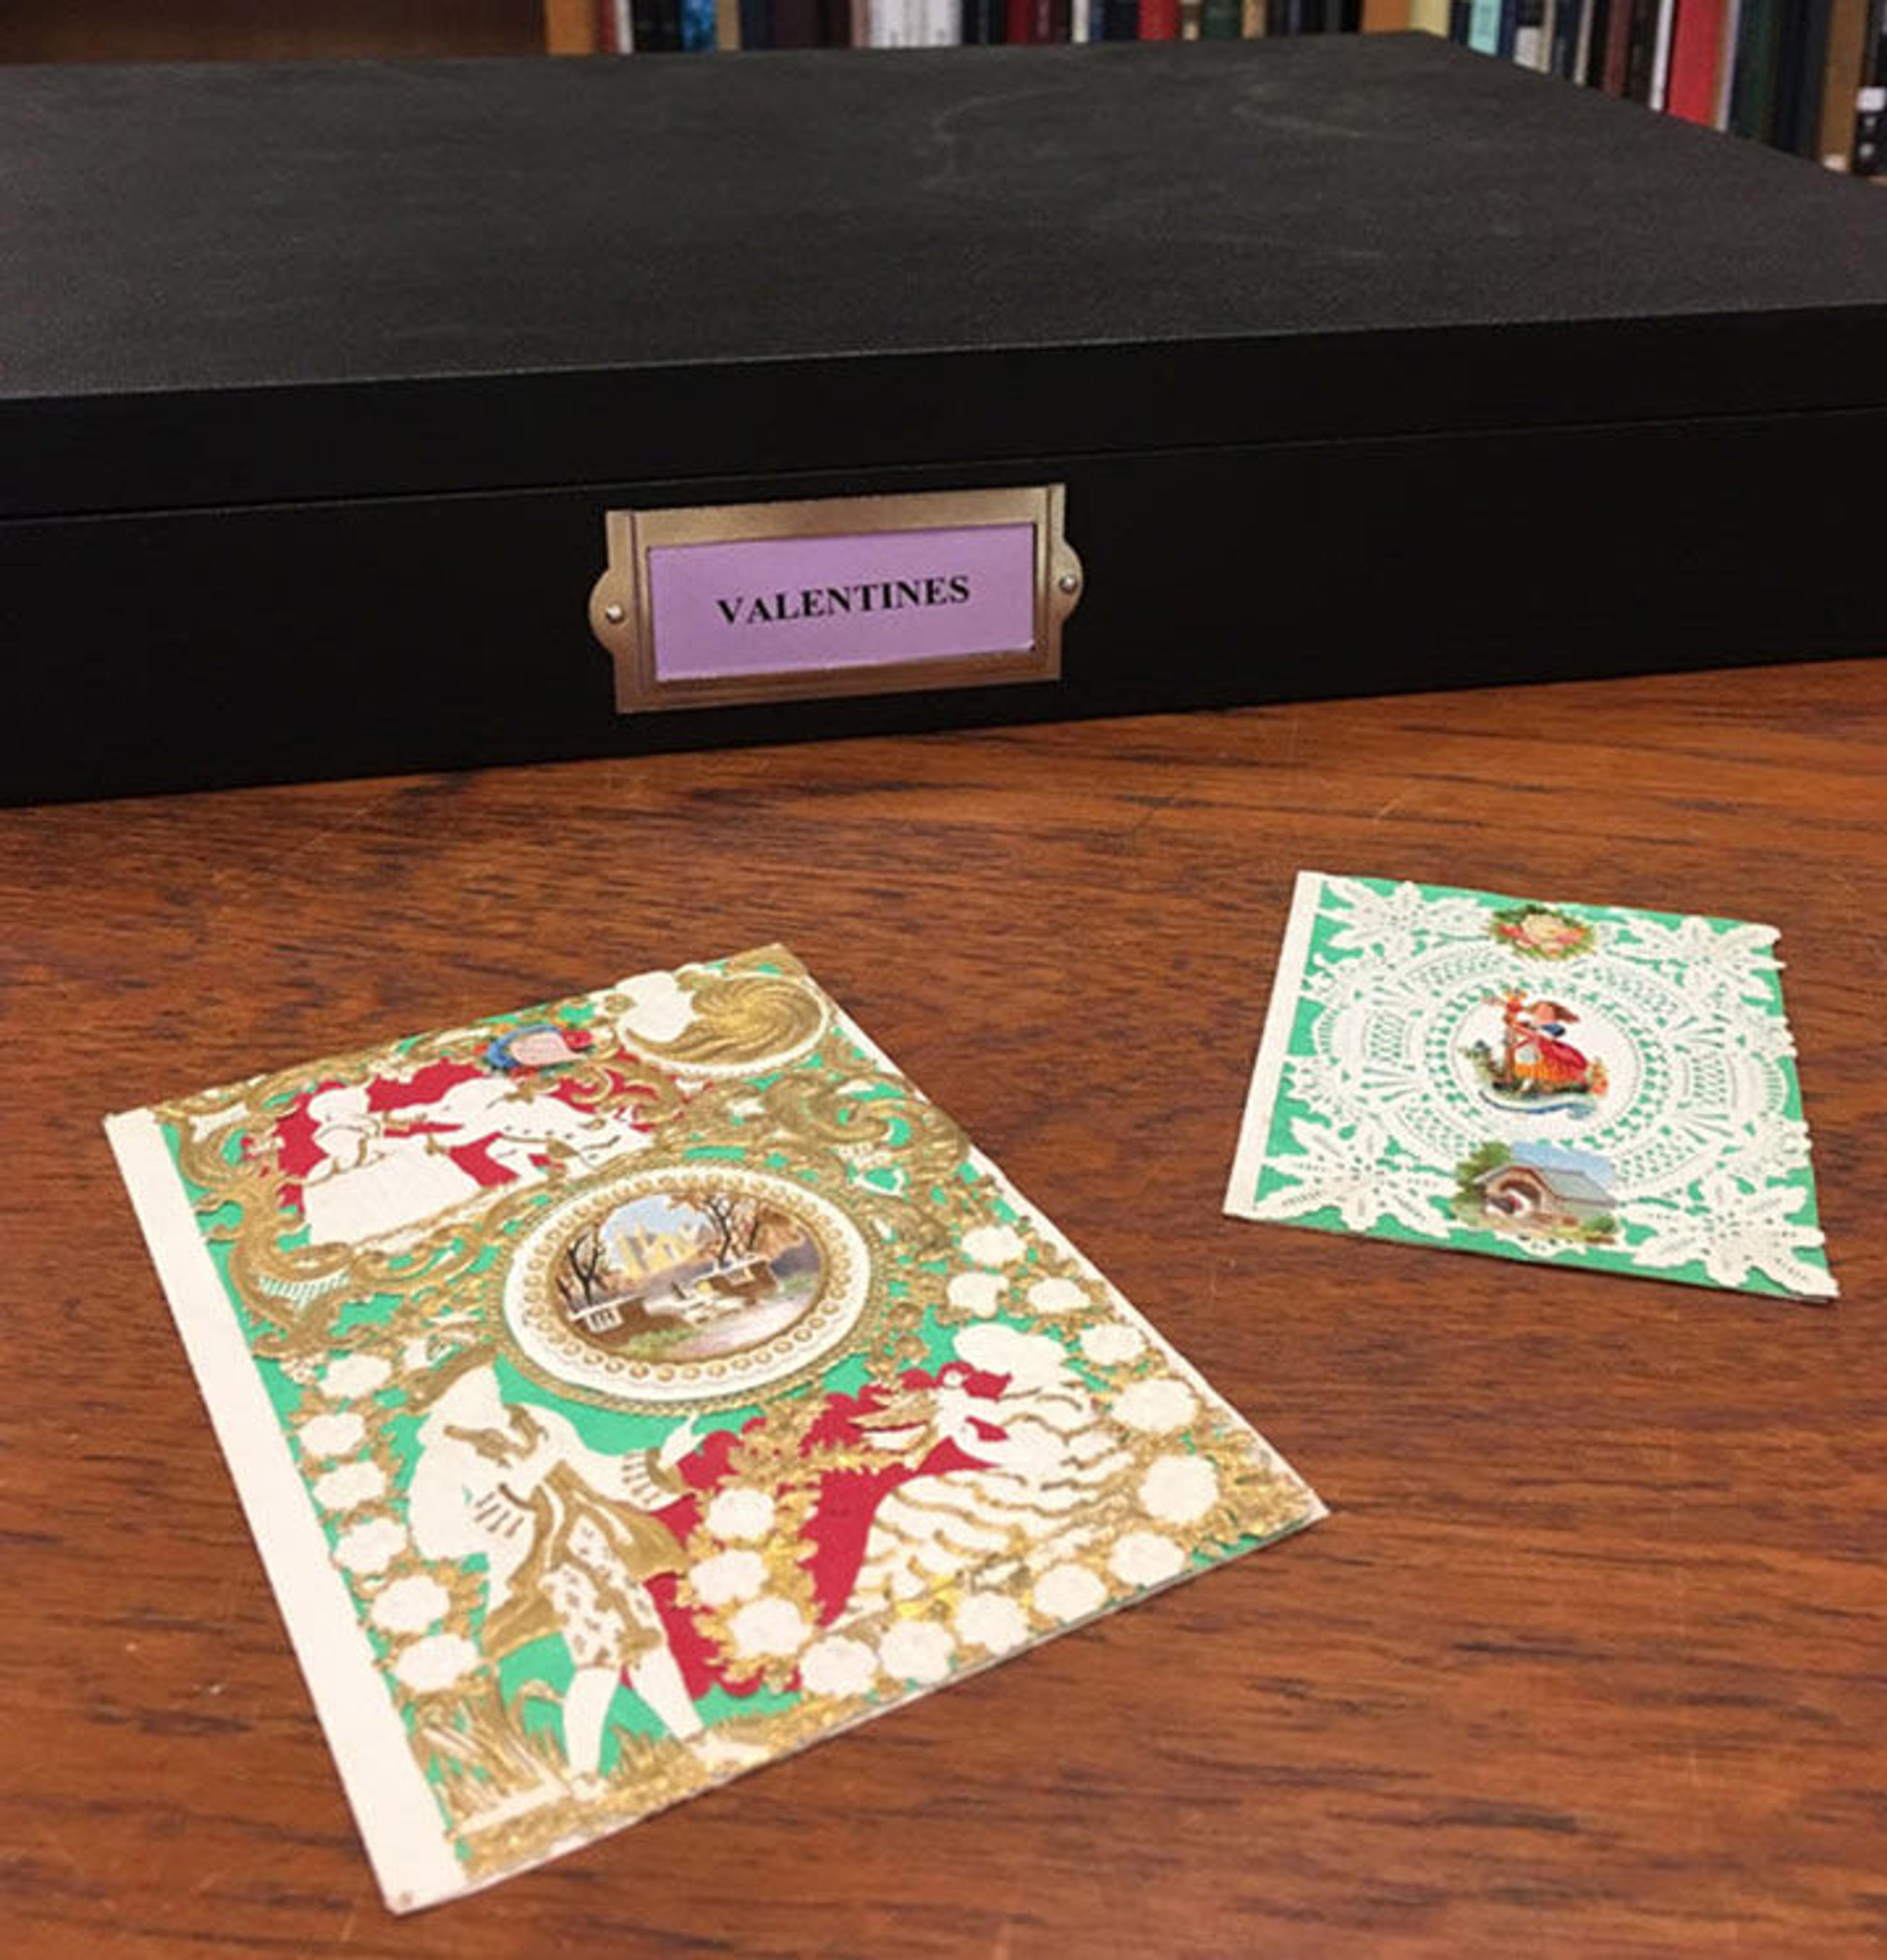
point(1589, 1658)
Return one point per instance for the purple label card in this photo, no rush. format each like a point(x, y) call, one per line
point(810, 605)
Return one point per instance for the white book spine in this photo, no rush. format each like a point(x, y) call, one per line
point(1582, 46)
point(1661, 55)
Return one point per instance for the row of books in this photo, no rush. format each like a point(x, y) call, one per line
point(664, 26)
point(1808, 76)
point(1800, 74)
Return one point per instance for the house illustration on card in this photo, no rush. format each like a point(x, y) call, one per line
point(1539, 1187)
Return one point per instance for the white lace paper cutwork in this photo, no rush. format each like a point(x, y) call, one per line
point(1585, 1084)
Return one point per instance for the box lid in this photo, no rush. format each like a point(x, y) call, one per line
point(234, 284)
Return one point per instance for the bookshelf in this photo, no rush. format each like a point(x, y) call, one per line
point(1801, 75)
point(55, 31)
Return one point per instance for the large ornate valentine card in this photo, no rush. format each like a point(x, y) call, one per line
point(1587, 1084)
point(629, 1392)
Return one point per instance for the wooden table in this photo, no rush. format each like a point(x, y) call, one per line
point(1589, 1658)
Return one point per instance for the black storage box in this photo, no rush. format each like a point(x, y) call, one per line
point(1359, 363)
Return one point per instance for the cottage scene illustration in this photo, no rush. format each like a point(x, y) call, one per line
point(1534, 1067)
point(1538, 1189)
point(687, 1276)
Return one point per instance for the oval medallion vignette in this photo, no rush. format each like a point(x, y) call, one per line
point(688, 1285)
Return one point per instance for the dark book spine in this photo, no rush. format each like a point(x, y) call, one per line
point(1509, 30)
point(1560, 57)
point(1618, 46)
point(1814, 78)
point(1871, 99)
point(1641, 49)
point(1753, 112)
point(796, 23)
point(982, 23)
point(1791, 26)
point(1459, 13)
point(1221, 20)
point(1061, 20)
point(757, 23)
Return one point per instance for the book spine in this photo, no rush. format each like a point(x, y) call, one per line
point(1752, 109)
point(1840, 77)
point(1661, 52)
point(1641, 50)
point(1159, 20)
point(1726, 63)
point(1251, 20)
point(1429, 16)
point(697, 26)
point(1483, 25)
point(757, 23)
point(576, 28)
point(1691, 92)
point(796, 23)
point(1870, 99)
point(1529, 33)
point(1221, 20)
point(1791, 33)
point(1813, 78)
point(1617, 48)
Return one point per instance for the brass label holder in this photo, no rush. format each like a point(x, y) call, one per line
point(708, 606)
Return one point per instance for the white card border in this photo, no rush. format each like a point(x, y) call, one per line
point(393, 1805)
point(1247, 1160)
